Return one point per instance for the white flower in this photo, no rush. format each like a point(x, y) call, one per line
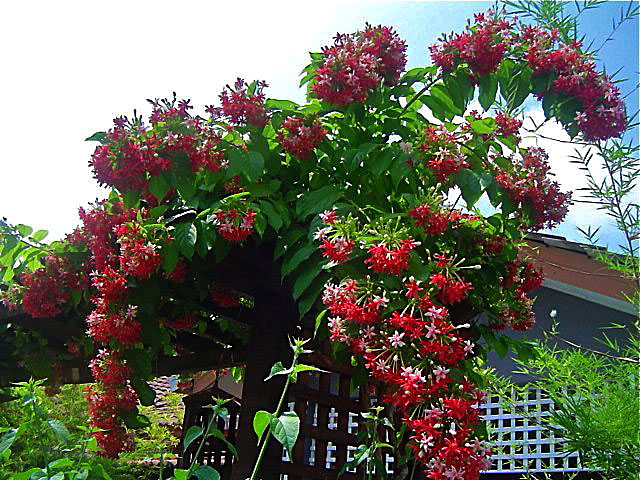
point(440, 373)
point(321, 233)
point(396, 339)
point(468, 346)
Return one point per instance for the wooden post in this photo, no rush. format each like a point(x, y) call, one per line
point(268, 344)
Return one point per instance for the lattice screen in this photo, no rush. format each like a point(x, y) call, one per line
point(521, 443)
point(215, 452)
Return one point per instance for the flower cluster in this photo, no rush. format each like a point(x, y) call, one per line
point(118, 250)
point(601, 114)
point(357, 63)
point(138, 257)
point(234, 224)
point(413, 352)
point(105, 406)
point(393, 261)
point(441, 153)
point(432, 221)
point(334, 235)
point(184, 322)
point(508, 126)
point(482, 47)
point(529, 182)
point(450, 291)
point(300, 137)
point(243, 104)
point(45, 291)
point(224, 296)
point(132, 154)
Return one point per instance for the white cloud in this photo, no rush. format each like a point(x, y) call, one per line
point(70, 67)
point(554, 139)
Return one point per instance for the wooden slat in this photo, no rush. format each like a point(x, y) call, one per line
point(328, 435)
point(324, 398)
point(297, 470)
point(344, 392)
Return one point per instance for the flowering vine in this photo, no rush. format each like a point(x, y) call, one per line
point(369, 208)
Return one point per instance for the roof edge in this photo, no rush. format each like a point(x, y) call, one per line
point(589, 296)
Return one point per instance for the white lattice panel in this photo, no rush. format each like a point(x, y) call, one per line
point(520, 442)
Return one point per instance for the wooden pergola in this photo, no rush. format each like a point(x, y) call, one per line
point(274, 317)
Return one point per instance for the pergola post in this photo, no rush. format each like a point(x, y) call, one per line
point(268, 344)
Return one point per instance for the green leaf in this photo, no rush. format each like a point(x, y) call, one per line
point(133, 419)
point(441, 93)
point(272, 103)
point(380, 164)
point(277, 369)
point(317, 201)
point(24, 230)
point(192, 434)
point(237, 163)
point(318, 321)
point(275, 220)
point(7, 439)
point(40, 235)
point(304, 368)
point(59, 430)
point(260, 422)
point(311, 295)
point(460, 89)
point(157, 212)
point(146, 394)
point(502, 346)
point(292, 260)
point(60, 463)
point(180, 474)
point(470, 185)
point(437, 107)
point(169, 256)
point(305, 275)
point(399, 169)
point(183, 178)
point(98, 137)
point(285, 429)
point(205, 472)
point(98, 470)
point(287, 241)
point(218, 434)
point(521, 88)
point(27, 475)
point(484, 126)
point(186, 235)
point(254, 165)
point(159, 187)
point(131, 199)
point(488, 90)
point(139, 361)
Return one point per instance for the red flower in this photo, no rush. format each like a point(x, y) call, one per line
point(242, 108)
point(337, 249)
point(392, 261)
point(300, 138)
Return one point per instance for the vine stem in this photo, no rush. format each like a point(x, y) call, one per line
point(417, 95)
point(265, 443)
point(204, 439)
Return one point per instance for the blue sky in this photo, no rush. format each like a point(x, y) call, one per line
point(73, 67)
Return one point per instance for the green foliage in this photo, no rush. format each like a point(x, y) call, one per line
point(42, 447)
point(597, 400)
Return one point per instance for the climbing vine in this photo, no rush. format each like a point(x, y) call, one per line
point(369, 195)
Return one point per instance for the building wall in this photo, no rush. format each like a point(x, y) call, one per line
point(579, 321)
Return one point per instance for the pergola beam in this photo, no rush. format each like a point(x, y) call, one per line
point(79, 371)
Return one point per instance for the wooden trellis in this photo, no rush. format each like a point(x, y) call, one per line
point(215, 452)
point(329, 408)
